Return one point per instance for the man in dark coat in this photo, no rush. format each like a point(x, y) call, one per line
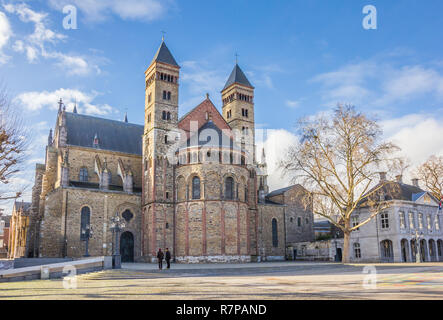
point(160, 257)
point(168, 258)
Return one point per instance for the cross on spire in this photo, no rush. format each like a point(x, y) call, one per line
point(60, 103)
point(236, 58)
point(163, 35)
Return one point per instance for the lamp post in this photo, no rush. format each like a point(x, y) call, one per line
point(87, 233)
point(117, 226)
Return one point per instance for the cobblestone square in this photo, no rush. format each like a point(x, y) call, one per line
point(268, 281)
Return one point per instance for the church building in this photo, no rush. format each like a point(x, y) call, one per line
point(190, 184)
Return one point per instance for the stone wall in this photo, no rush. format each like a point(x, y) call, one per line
point(62, 221)
point(298, 214)
point(267, 250)
point(85, 158)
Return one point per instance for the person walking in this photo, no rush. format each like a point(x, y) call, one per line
point(160, 257)
point(168, 259)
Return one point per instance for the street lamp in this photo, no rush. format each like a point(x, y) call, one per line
point(87, 233)
point(117, 226)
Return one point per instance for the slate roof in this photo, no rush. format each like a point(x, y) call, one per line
point(165, 56)
point(279, 191)
point(224, 141)
point(25, 205)
point(237, 76)
point(113, 135)
point(400, 191)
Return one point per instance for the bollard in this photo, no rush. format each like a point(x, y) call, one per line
point(44, 273)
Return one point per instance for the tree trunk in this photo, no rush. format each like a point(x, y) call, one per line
point(346, 247)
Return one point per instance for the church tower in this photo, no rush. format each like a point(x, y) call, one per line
point(238, 110)
point(161, 127)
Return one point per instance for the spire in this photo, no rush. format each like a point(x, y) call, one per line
point(50, 138)
point(263, 156)
point(60, 103)
point(75, 108)
point(164, 55)
point(126, 117)
point(237, 76)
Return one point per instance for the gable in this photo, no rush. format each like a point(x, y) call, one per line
point(425, 198)
point(201, 114)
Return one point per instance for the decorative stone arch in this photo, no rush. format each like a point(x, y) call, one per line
point(432, 250)
point(386, 250)
point(440, 249)
point(229, 189)
point(189, 184)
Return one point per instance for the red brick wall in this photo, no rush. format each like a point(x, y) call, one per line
point(199, 115)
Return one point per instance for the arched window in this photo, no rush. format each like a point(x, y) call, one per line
point(168, 116)
point(164, 115)
point(169, 95)
point(196, 188)
point(83, 175)
point(229, 188)
point(274, 233)
point(85, 223)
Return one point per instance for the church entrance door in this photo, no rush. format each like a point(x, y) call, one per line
point(127, 247)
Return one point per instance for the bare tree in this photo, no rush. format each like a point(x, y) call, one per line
point(337, 160)
point(13, 144)
point(431, 173)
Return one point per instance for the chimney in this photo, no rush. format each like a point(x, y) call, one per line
point(382, 176)
point(399, 178)
point(415, 182)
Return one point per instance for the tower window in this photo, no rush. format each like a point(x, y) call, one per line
point(166, 139)
point(149, 97)
point(85, 223)
point(229, 188)
point(274, 233)
point(196, 188)
point(168, 116)
point(164, 115)
point(164, 95)
point(83, 175)
point(149, 118)
point(169, 95)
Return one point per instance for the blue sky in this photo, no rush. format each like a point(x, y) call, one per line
point(303, 57)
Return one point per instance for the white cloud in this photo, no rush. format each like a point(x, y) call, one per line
point(200, 78)
point(418, 135)
point(276, 144)
point(39, 43)
point(34, 101)
point(379, 83)
point(101, 10)
point(5, 35)
point(292, 103)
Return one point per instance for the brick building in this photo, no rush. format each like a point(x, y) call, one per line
point(191, 184)
point(18, 244)
point(4, 235)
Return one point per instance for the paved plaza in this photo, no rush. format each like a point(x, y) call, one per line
point(278, 280)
